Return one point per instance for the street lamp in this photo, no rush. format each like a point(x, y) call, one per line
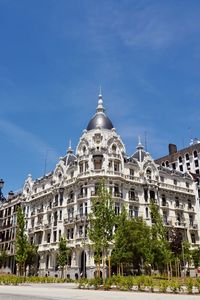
point(2, 198)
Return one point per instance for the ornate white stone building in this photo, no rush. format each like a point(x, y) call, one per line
point(58, 204)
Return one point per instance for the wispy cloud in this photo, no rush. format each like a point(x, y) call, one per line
point(21, 137)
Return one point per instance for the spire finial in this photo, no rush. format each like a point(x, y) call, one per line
point(100, 107)
point(139, 146)
point(100, 94)
point(70, 147)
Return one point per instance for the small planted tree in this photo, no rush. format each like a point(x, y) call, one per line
point(21, 242)
point(31, 258)
point(161, 246)
point(63, 255)
point(102, 220)
point(3, 256)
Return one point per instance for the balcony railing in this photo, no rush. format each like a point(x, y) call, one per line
point(180, 224)
point(134, 198)
point(180, 206)
point(47, 225)
point(193, 226)
point(164, 204)
point(118, 194)
point(70, 200)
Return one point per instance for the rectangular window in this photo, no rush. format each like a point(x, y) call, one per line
point(72, 233)
point(54, 236)
point(60, 215)
point(117, 208)
point(86, 211)
point(196, 163)
point(80, 231)
point(146, 195)
point(193, 239)
point(61, 199)
point(162, 179)
point(48, 237)
point(136, 212)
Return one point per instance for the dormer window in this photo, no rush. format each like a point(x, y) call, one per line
point(84, 149)
point(187, 156)
point(195, 153)
point(148, 172)
point(114, 148)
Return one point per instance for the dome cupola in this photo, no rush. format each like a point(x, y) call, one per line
point(100, 120)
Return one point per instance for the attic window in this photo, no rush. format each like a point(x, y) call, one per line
point(84, 149)
point(195, 153)
point(114, 148)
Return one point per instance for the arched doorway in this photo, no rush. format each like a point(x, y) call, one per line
point(83, 263)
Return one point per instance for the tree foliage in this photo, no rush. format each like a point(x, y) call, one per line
point(132, 242)
point(161, 246)
point(3, 256)
point(102, 220)
point(63, 254)
point(21, 242)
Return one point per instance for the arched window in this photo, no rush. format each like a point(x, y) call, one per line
point(163, 164)
point(114, 148)
point(167, 164)
point(187, 156)
point(180, 159)
point(84, 149)
point(148, 172)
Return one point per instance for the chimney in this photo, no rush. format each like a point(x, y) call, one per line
point(172, 149)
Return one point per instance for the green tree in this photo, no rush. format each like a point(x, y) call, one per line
point(161, 246)
point(63, 255)
point(196, 257)
point(132, 247)
point(102, 220)
point(21, 242)
point(32, 256)
point(3, 257)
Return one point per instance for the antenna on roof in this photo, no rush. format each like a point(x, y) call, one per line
point(190, 134)
point(45, 160)
point(100, 90)
point(145, 140)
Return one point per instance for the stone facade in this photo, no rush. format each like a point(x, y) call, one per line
point(58, 203)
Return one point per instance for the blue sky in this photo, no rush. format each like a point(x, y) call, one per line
point(54, 55)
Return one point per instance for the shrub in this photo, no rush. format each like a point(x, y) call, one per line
point(175, 286)
point(163, 285)
point(189, 285)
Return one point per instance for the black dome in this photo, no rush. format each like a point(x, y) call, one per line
point(100, 120)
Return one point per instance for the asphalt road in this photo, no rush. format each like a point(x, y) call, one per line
point(70, 292)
